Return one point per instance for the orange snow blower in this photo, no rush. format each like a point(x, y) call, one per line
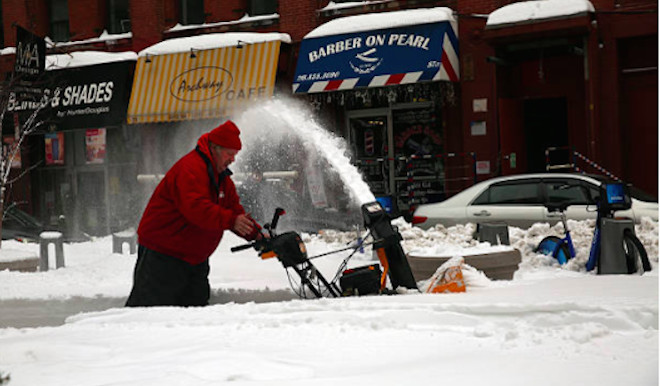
point(290, 250)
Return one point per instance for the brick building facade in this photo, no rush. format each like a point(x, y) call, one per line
point(585, 82)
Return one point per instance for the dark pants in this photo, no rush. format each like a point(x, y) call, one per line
point(162, 280)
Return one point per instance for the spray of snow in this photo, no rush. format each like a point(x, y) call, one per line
point(279, 117)
point(290, 160)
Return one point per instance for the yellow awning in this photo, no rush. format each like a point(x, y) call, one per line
point(211, 83)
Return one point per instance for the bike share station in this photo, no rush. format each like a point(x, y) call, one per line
point(615, 249)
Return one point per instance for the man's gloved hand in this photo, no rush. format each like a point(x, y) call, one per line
point(243, 225)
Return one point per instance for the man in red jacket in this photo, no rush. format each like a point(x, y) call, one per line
point(184, 222)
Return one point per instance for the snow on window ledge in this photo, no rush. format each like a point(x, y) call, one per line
point(261, 20)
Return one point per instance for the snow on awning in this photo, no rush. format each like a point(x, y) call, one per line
point(86, 58)
point(379, 49)
point(205, 76)
point(537, 10)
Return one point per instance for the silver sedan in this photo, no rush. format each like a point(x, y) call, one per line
point(519, 201)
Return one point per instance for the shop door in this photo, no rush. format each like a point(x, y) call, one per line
point(546, 125)
point(418, 147)
point(369, 136)
point(512, 136)
point(91, 203)
point(54, 187)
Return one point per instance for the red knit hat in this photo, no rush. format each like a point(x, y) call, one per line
point(226, 135)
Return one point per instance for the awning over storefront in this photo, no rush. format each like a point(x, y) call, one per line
point(527, 12)
point(84, 89)
point(382, 49)
point(200, 77)
point(539, 20)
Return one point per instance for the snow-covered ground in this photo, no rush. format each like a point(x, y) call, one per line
point(549, 325)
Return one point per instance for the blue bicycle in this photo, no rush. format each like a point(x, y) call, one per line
point(562, 248)
point(612, 197)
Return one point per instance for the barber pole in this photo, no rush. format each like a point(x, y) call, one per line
point(369, 147)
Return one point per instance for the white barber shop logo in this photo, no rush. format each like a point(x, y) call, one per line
point(364, 63)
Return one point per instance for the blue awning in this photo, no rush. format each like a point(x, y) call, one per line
point(379, 57)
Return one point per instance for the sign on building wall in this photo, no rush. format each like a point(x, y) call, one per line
point(79, 97)
point(30, 60)
point(417, 53)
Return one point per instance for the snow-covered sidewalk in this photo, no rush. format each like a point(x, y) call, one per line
point(550, 325)
point(578, 331)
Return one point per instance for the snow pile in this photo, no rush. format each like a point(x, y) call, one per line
point(460, 240)
point(550, 332)
point(582, 235)
point(92, 270)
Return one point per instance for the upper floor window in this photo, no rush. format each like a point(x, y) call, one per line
point(192, 12)
point(119, 20)
point(59, 20)
point(262, 7)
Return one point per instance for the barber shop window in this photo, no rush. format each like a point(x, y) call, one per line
point(262, 7)
point(119, 20)
point(59, 20)
point(192, 12)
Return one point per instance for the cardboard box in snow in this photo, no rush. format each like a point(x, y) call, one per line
point(447, 278)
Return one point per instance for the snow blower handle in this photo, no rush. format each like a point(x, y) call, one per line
point(242, 247)
point(259, 238)
point(276, 217)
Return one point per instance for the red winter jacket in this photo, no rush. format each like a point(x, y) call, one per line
point(188, 212)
